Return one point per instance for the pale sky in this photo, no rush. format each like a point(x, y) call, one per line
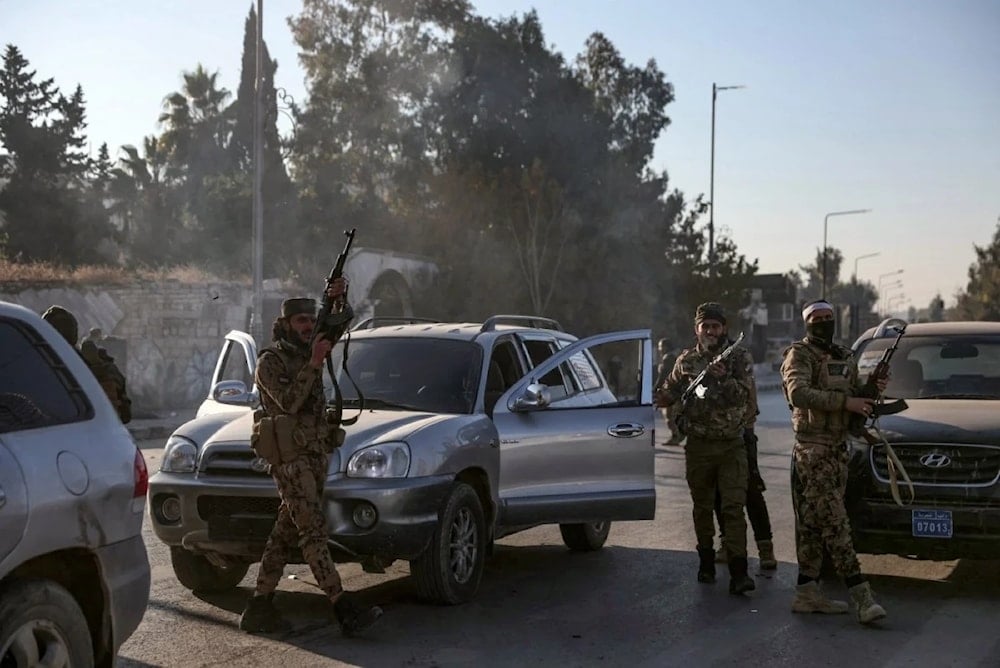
point(888, 105)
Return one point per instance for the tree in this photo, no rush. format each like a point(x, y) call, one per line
point(635, 99)
point(234, 191)
point(145, 206)
point(981, 298)
point(195, 140)
point(47, 213)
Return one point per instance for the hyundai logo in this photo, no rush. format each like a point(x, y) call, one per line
point(259, 465)
point(935, 460)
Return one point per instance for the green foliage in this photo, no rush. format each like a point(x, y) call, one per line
point(49, 210)
point(981, 298)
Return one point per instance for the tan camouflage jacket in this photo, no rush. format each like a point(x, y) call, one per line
point(729, 406)
point(289, 386)
point(817, 383)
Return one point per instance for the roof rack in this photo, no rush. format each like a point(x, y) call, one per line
point(382, 320)
point(524, 320)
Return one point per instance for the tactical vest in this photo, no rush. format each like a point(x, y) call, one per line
point(310, 430)
point(828, 373)
point(717, 417)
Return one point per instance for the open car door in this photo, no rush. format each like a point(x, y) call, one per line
point(576, 435)
point(232, 387)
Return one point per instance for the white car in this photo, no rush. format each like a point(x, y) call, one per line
point(74, 575)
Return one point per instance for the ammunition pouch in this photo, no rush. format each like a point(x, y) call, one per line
point(263, 440)
point(284, 436)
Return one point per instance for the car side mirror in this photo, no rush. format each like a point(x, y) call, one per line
point(534, 397)
point(234, 393)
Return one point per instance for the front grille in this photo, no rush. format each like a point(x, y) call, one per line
point(943, 464)
point(227, 506)
point(226, 462)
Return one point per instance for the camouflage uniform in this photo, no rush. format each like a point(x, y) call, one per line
point(100, 363)
point(715, 456)
point(817, 383)
point(289, 386)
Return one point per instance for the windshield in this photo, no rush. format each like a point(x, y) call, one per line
point(938, 367)
point(421, 374)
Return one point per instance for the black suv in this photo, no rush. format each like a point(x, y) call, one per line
point(948, 440)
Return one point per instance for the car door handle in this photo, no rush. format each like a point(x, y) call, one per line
point(626, 430)
point(3, 497)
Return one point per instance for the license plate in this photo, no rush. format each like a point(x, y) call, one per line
point(932, 523)
point(240, 527)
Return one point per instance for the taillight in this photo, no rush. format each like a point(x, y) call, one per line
point(141, 475)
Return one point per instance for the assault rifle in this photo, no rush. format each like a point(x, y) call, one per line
point(697, 389)
point(329, 323)
point(857, 425)
point(333, 326)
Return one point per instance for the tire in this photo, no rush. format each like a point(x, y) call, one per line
point(585, 537)
point(41, 622)
point(197, 573)
point(449, 570)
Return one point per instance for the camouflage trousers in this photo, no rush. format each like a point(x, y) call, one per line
point(300, 520)
point(819, 479)
point(722, 466)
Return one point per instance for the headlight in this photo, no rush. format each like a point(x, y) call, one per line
point(385, 460)
point(179, 455)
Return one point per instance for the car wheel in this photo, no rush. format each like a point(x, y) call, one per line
point(449, 570)
point(585, 537)
point(197, 573)
point(42, 624)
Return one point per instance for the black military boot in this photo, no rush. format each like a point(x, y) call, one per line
point(706, 565)
point(353, 617)
point(261, 616)
point(739, 581)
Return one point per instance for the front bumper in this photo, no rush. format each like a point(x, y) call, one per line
point(882, 527)
point(234, 517)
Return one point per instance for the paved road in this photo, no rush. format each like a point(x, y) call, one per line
point(634, 603)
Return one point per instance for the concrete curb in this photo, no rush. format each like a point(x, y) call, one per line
point(150, 432)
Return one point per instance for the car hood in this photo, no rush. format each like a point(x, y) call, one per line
point(373, 426)
point(973, 421)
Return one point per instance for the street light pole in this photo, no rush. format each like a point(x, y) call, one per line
point(822, 292)
point(881, 278)
point(256, 323)
point(862, 257)
point(856, 296)
point(711, 184)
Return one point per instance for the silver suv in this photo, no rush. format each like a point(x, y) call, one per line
point(466, 433)
point(74, 576)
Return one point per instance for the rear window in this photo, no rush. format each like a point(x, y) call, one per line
point(938, 366)
point(36, 388)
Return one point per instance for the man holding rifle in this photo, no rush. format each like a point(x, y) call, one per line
point(293, 432)
point(714, 384)
point(820, 380)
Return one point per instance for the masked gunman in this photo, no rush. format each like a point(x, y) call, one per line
point(292, 432)
point(714, 418)
point(820, 380)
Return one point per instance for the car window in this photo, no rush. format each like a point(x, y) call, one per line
point(538, 352)
point(938, 366)
point(425, 374)
point(234, 364)
point(603, 375)
point(36, 388)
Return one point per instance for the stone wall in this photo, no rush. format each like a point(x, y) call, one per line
point(167, 335)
